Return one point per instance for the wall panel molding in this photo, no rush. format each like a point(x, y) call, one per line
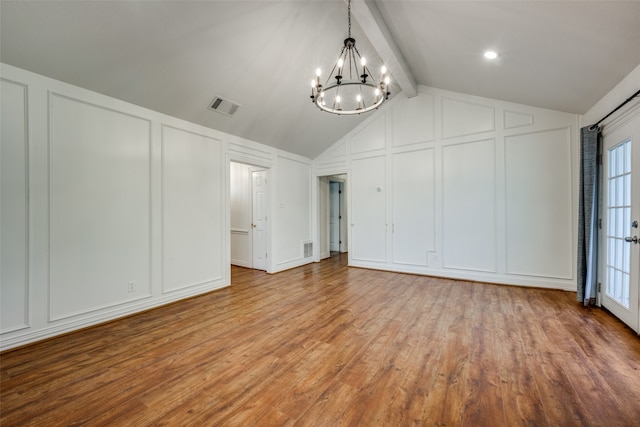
point(414, 120)
point(192, 216)
point(250, 155)
point(469, 206)
point(516, 119)
point(371, 136)
point(14, 207)
point(463, 118)
point(539, 217)
point(104, 207)
point(413, 206)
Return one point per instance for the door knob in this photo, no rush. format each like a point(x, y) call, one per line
point(253, 225)
point(633, 239)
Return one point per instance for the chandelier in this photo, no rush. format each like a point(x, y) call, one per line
point(350, 88)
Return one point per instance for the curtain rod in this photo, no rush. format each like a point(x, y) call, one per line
point(595, 126)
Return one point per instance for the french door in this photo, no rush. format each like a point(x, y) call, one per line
point(620, 237)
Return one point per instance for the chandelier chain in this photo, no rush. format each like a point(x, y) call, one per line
point(349, 14)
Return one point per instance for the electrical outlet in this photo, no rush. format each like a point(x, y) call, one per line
point(132, 286)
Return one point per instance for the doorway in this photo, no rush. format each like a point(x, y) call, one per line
point(248, 200)
point(336, 207)
point(332, 218)
point(620, 237)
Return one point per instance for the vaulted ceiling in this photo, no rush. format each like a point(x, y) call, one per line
point(176, 56)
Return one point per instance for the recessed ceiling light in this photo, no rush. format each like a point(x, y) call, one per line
point(490, 54)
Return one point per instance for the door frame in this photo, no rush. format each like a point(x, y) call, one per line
point(630, 118)
point(253, 164)
point(321, 224)
point(342, 214)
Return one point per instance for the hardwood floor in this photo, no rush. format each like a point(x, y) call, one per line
point(327, 345)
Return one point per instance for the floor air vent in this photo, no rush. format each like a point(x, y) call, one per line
point(308, 249)
point(224, 106)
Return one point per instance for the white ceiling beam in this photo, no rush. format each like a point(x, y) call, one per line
point(375, 28)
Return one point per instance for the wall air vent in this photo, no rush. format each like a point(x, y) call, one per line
point(308, 249)
point(224, 106)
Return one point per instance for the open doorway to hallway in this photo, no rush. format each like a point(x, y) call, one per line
point(249, 189)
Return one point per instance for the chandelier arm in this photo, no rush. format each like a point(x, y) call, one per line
point(354, 51)
point(334, 68)
point(357, 52)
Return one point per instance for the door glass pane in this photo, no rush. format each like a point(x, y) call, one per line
point(618, 210)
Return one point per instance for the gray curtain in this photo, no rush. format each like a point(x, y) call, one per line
point(588, 214)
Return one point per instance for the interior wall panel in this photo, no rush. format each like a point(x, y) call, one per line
point(516, 119)
point(413, 206)
point(368, 208)
point(14, 207)
point(99, 207)
point(192, 215)
point(371, 137)
point(538, 204)
point(469, 206)
point(460, 118)
point(414, 120)
point(293, 209)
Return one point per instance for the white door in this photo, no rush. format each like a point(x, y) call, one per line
point(621, 215)
point(259, 219)
point(334, 216)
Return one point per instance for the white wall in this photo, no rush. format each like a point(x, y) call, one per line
point(453, 185)
point(108, 208)
point(292, 212)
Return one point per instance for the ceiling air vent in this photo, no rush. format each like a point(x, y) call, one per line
point(224, 106)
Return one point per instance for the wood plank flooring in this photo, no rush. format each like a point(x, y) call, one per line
point(328, 345)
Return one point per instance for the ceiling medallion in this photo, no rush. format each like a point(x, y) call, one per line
point(350, 88)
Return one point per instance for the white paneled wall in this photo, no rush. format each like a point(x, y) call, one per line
point(414, 208)
point(469, 205)
point(529, 186)
point(99, 207)
point(368, 241)
point(293, 212)
point(192, 218)
point(108, 208)
point(14, 207)
point(460, 186)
